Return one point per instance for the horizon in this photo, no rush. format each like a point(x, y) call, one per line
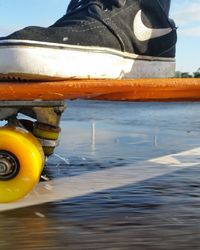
point(184, 12)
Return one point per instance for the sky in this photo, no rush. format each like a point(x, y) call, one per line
point(16, 14)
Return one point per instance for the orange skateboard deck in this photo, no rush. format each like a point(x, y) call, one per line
point(174, 89)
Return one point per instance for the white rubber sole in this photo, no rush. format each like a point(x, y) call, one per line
point(46, 61)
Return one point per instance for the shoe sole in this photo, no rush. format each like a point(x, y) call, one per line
point(29, 60)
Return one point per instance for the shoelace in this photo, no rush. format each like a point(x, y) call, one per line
point(79, 4)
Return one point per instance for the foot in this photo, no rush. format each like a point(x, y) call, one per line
point(94, 39)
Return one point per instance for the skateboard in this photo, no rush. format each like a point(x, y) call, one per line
point(25, 143)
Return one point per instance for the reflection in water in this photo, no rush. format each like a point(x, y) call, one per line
point(161, 213)
point(93, 137)
point(110, 178)
point(157, 213)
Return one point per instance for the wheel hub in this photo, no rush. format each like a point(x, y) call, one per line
point(9, 166)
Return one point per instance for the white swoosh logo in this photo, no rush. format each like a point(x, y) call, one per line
point(144, 33)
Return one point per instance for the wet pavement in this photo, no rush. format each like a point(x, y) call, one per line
point(159, 212)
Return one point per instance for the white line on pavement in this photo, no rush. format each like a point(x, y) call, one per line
point(116, 177)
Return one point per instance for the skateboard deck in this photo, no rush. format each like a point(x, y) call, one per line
point(174, 89)
point(25, 143)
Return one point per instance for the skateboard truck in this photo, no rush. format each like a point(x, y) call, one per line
point(45, 128)
point(25, 143)
point(47, 135)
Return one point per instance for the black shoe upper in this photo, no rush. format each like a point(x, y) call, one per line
point(110, 24)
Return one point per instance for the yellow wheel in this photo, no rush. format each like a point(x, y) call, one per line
point(21, 163)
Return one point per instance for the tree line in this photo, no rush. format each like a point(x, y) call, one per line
point(180, 74)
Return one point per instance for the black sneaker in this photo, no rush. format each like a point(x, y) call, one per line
point(95, 39)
